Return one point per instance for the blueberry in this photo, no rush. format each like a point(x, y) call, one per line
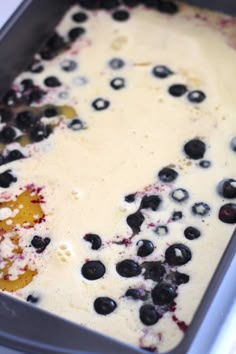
point(148, 315)
point(227, 188)
point(205, 163)
point(6, 179)
point(76, 124)
point(89, 4)
point(176, 215)
point(40, 132)
point(196, 96)
point(177, 90)
point(150, 202)
point(233, 144)
point(195, 149)
point(191, 233)
point(109, 4)
point(56, 42)
point(161, 230)
point(167, 175)
point(26, 119)
point(40, 243)
point(128, 268)
point(93, 270)
point(50, 112)
point(27, 84)
point(161, 71)
point(227, 213)
point(153, 270)
point(100, 104)
point(80, 17)
point(130, 198)
point(14, 155)
point(2, 160)
point(33, 299)
point(36, 95)
point(150, 3)
point(145, 248)
point(52, 81)
point(95, 241)
point(181, 278)
point(178, 254)
point(167, 7)
point(163, 294)
point(68, 65)
point(137, 294)
point(11, 98)
point(120, 15)
point(7, 135)
point(132, 3)
point(36, 67)
point(6, 115)
point(104, 305)
point(117, 83)
point(116, 63)
point(180, 195)
point(135, 221)
point(75, 33)
point(201, 209)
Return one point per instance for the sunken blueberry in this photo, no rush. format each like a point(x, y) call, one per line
point(167, 175)
point(233, 144)
point(55, 42)
point(27, 84)
point(7, 135)
point(163, 294)
point(40, 243)
point(177, 90)
point(116, 63)
point(6, 179)
point(36, 67)
point(195, 149)
point(117, 83)
point(132, 3)
point(14, 155)
point(161, 71)
point(93, 270)
point(33, 299)
point(150, 202)
point(109, 4)
point(135, 221)
point(201, 209)
point(95, 241)
point(227, 213)
point(176, 215)
point(178, 254)
point(180, 195)
point(128, 268)
point(130, 198)
point(153, 270)
point(191, 233)
point(80, 17)
point(36, 95)
point(68, 65)
point(104, 305)
point(205, 163)
point(145, 248)
point(181, 278)
point(11, 98)
point(120, 15)
point(196, 96)
point(161, 230)
point(40, 132)
point(26, 119)
point(89, 4)
point(75, 33)
point(76, 124)
point(50, 112)
point(148, 315)
point(137, 294)
point(227, 188)
point(100, 104)
point(167, 7)
point(52, 81)
point(150, 3)
point(6, 115)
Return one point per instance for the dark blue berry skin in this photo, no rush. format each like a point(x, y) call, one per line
point(7, 135)
point(195, 149)
point(167, 7)
point(89, 4)
point(32, 299)
point(93, 270)
point(36, 68)
point(40, 243)
point(95, 241)
point(183, 195)
point(177, 215)
point(128, 268)
point(177, 90)
point(100, 104)
point(145, 248)
point(52, 81)
point(196, 96)
point(161, 230)
point(14, 155)
point(121, 15)
point(26, 120)
point(132, 3)
point(104, 305)
point(75, 33)
point(181, 278)
point(178, 254)
point(68, 65)
point(161, 71)
point(118, 83)
point(130, 198)
point(201, 209)
point(233, 144)
point(227, 213)
point(163, 294)
point(6, 115)
point(109, 4)
point(205, 164)
point(167, 175)
point(148, 315)
point(135, 221)
point(76, 124)
point(116, 63)
point(227, 188)
point(80, 17)
point(153, 270)
point(150, 202)
point(191, 233)
point(27, 84)
point(50, 112)
point(137, 294)
point(40, 132)
point(11, 98)
point(6, 179)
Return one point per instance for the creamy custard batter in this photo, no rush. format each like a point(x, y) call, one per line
point(132, 166)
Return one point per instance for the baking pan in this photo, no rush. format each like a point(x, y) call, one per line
point(26, 329)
